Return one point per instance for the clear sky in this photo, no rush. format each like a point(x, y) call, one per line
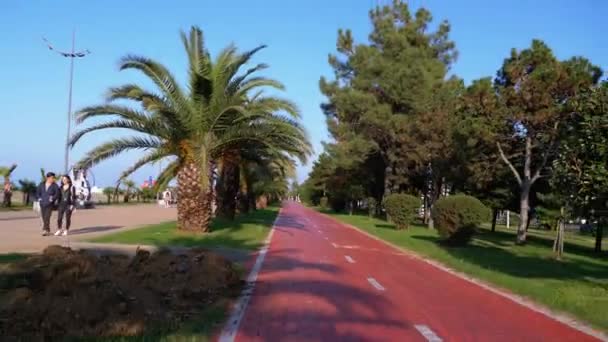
point(300, 35)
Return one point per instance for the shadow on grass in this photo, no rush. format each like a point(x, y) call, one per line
point(509, 262)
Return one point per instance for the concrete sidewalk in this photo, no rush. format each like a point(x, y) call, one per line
point(20, 231)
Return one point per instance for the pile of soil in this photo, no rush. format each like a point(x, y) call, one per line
point(75, 293)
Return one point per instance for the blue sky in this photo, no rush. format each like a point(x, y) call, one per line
point(300, 35)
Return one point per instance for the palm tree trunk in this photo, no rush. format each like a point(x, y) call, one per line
point(194, 200)
point(227, 190)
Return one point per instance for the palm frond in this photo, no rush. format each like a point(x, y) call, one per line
point(167, 175)
point(151, 157)
point(150, 128)
point(116, 147)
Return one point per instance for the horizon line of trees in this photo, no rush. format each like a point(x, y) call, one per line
point(532, 139)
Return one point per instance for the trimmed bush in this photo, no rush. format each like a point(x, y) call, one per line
point(457, 217)
point(324, 202)
point(401, 209)
point(372, 206)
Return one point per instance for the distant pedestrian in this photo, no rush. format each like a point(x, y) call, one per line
point(67, 201)
point(47, 195)
point(167, 198)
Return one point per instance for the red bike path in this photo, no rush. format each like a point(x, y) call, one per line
point(323, 281)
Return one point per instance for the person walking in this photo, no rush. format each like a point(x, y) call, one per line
point(47, 195)
point(167, 198)
point(67, 201)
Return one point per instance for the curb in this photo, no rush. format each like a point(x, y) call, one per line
point(560, 317)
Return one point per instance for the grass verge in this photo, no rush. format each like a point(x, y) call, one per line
point(246, 232)
point(577, 285)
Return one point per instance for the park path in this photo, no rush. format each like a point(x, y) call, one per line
point(20, 230)
point(323, 281)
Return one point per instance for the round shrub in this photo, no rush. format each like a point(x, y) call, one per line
point(457, 217)
point(401, 209)
point(372, 206)
point(323, 202)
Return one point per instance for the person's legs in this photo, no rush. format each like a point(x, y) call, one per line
point(68, 219)
point(46, 218)
point(61, 211)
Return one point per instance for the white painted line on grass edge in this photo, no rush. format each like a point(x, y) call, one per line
point(349, 259)
point(232, 326)
point(375, 284)
point(427, 333)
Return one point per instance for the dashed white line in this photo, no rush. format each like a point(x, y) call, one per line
point(375, 284)
point(349, 259)
point(427, 333)
point(334, 244)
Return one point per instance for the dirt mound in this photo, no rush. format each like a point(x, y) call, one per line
point(68, 293)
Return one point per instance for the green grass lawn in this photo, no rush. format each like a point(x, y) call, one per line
point(16, 207)
point(11, 257)
point(577, 285)
point(245, 232)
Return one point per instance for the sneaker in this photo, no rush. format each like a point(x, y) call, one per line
point(65, 232)
point(58, 232)
point(45, 233)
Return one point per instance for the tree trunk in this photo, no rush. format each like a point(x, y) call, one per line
point(494, 218)
point(435, 194)
point(558, 244)
point(599, 234)
point(227, 188)
point(194, 201)
point(524, 208)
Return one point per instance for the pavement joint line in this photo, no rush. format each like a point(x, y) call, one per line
point(428, 334)
point(375, 284)
point(349, 259)
point(238, 312)
point(534, 306)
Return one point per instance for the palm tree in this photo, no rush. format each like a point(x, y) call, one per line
point(130, 185)
point(221, 110)
point(6, 173)
point(109, 192)
point(28, 188)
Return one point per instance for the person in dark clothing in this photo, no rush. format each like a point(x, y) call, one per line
point(47, 195)
point(67, 200)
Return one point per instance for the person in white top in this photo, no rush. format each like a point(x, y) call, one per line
point(167, 198)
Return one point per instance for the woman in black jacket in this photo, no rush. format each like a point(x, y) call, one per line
point(67, 200)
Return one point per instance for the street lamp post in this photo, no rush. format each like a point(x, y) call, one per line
point(71, 55)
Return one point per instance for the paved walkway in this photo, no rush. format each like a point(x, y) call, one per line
point(322, 281)
point(20, 231)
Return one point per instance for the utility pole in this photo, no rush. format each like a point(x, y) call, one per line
point(71, 55)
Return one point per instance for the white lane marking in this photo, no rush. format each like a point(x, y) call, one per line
point(375, 284)
point(349, 259)
point(427, 333)
point(334, 244)
point(232, 326)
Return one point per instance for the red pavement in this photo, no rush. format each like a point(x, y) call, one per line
point(308, 291)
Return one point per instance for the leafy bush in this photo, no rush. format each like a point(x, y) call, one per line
point(372, 206)
point(324, 202)
point(401, 209)
point(457, 217)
